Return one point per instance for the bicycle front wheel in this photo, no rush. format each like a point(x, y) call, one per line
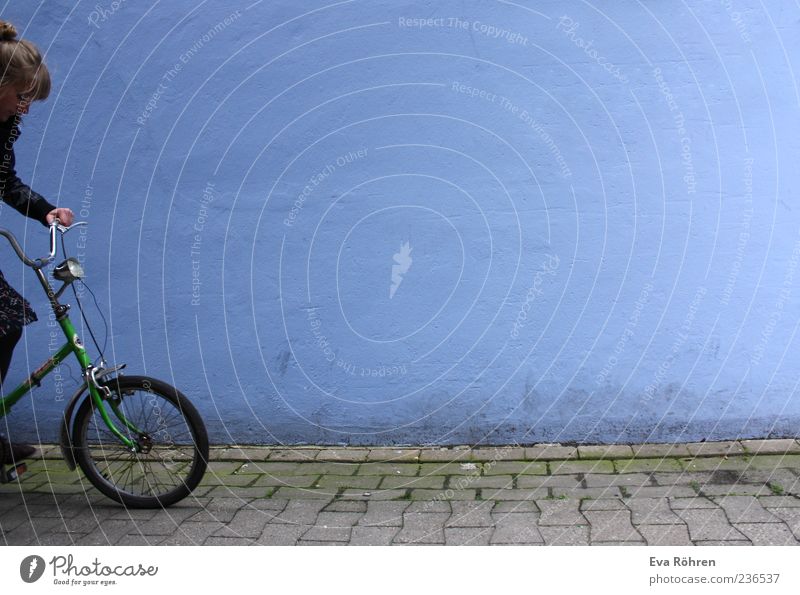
point(171, 439)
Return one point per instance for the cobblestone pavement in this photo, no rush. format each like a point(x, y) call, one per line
point(731, 493)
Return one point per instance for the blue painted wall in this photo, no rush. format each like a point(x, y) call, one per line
point(431, 222)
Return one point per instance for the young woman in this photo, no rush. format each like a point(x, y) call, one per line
point(24, 78)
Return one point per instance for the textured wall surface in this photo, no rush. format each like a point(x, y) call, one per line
point(371, 222)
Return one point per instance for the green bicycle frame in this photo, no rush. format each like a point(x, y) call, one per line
point(73, 345)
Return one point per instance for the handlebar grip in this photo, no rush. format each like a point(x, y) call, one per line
point(39, 262)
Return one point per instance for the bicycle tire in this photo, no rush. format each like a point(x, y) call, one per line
point(162, 474)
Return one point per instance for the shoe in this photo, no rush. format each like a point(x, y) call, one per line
point(14, 453)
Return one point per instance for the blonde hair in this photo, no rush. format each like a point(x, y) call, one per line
point(21, 64)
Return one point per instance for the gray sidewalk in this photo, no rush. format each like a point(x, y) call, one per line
point(724, 493)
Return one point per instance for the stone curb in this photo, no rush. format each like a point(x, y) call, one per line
point(483, 454)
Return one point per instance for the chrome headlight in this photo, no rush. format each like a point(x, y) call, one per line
point(69, 270)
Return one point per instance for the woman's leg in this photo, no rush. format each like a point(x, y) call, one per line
point(11, 452)
point(7, 344)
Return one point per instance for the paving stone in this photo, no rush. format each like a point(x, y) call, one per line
point(745, 509)
point(301, 512)
point(566, 467)
point(756, 496)
point(213, 515)
point(405, 482)
point(329, 468)
point(422, 527)
point(505, 482)
point(223, 467)
point(574, 535)
point(227, 541)
point(708, 524)
point(447, 494)
point(394, 455)
point(735, 490)
point(582, 494)
point(273, 504)
point(291, 481)
point(770, 462)
point(333, 482)
point(550, 452)
point(191, 534)
point(790, 516)
point(166, 522)
point(31, 531)
point(488, 455)
point(132, 540)
point(516, 468)
point(306, 542)
point(250, 523)
point(12, 523)
point(714, 448)
point(611, 526)
point(467, 535)
point(323, 533)
point(431, 506)
point(407, 469)
point(281, 534)
point(560, 512)
point(502, 494)
point(680, 503)
point(60, 539)
point(603, 504)
point(614, 451)
point(349, 455)
point(466, 468)
point(268, 468)
point(517, 528)
point(338, 519)
point(739, 464)
point(660, 492)
point(633, 480)
point(346, 506)
point(767, 533)
point(385, 514)
point(662, 535)
point(373, 535)
point(647, 465)
point(764, 447)
point(780, 501)
point(660, 451)
point(501, 508)
point(725, 543)
point(444, 455)
point(298, 456)
point(700, 478)
point(471, 514)
point(549, 481)
point(783, 477)
point(652, 511)
point(239, 494)
point(303, 493)
point(379, 494)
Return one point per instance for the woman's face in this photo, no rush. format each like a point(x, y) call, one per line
point(13, 100)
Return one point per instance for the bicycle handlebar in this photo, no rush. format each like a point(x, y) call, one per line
point(38, 263)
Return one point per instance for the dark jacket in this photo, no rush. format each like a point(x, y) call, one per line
point(13, 191)
point(15, 311)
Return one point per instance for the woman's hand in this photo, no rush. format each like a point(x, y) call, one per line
point(63, 214)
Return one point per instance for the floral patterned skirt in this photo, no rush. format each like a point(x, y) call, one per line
point(15, 311)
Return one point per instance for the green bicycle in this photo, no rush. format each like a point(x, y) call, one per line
point(138, 440)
